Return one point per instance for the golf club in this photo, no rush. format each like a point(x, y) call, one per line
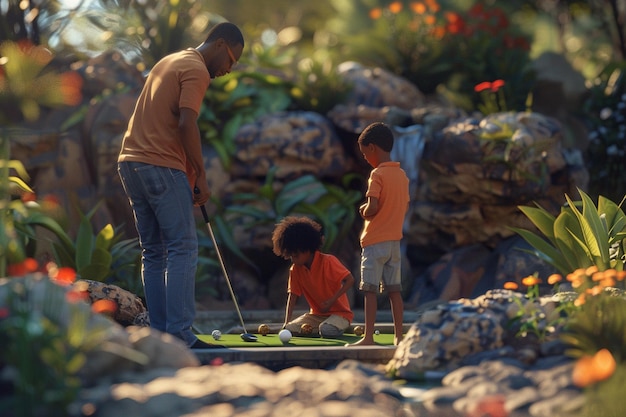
point(245, 336)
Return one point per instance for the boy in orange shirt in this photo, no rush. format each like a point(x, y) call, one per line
point(387, 202)
point(321, 278)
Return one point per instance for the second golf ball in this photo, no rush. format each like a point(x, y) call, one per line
point(284, 335)
point(216, 334)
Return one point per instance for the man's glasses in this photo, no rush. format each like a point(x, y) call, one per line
point(233, 61)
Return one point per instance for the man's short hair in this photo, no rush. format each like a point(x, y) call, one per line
point(379, 134)
point(227, 31)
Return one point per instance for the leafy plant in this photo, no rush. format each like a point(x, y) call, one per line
point(532, 317)
point(332, 206)
point(317, 86)
point(236, 99)
point(578, 238)
point(11, 249)
point(97, 256)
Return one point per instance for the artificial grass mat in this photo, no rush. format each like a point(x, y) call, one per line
point(272, 340)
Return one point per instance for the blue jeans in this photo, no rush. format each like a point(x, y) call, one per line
point(163, 208)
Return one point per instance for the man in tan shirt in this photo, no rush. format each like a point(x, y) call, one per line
point(160, 163)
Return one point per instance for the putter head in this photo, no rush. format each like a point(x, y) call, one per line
point(247, 337)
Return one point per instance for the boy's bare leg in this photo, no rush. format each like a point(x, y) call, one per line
point(397, 313)
point(370, 309)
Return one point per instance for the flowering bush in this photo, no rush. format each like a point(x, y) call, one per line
point(592, 325)
point(489, 47)
point(413, 42)
point(430, 43)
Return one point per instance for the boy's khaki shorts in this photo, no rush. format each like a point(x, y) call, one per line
point(325, 326)
point(380, 267)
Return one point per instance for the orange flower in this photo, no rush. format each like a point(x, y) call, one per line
point(582, 375)
point(607, 282)
point(418, 7)
point(31, 264)
point(395, 7)
point(580, 300)
point(27, 266)
point(591, 270)
point(591, 369)
point(63, 276)
point(433, 6)
point(376, 13)
point(603, 364)
point(594, 290)
point(597, 276)
point(104, 307)
point(620, 275)
point(531, 280)
point(510, 285)
point(430, 20)
point(554, 278)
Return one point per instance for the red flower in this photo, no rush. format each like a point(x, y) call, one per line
point(486, 85)
point(63, 276)
point(104, 307)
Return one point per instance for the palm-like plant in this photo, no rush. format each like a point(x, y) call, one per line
point(581, 235)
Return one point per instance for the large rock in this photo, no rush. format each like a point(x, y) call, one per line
point(476, 172)
point(130, 309)
point(296, 143)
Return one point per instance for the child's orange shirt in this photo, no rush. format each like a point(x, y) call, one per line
point(320, 283)
point(390, 185)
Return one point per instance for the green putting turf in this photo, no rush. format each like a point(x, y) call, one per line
point(272, 340)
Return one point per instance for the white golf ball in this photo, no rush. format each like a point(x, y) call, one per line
point(216, 334)
point(284, 335)
point(377, 332)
